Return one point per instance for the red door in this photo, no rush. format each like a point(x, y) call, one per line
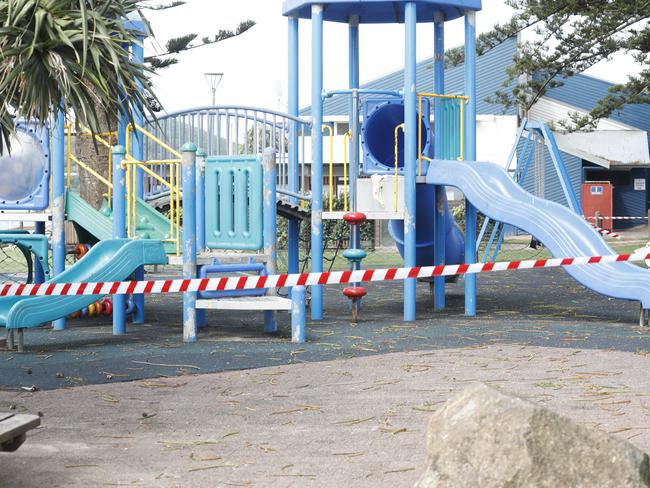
point(597, 200)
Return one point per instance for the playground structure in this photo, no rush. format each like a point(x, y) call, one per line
point(244, 166)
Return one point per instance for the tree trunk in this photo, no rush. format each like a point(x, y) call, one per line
point(96, 156)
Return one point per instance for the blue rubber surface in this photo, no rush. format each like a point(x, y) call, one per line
point(564, 233)
point(109, 260)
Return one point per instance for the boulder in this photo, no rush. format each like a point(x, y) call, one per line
point(486, 438)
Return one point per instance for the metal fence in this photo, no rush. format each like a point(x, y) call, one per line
point(231, 130)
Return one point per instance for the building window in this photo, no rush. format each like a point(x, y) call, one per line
point(342, 128)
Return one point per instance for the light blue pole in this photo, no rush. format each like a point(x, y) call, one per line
point(439, 210)
point(200, 219)
point(410, 155)
point(188, 178)
point(39, 273)
point(298, 319)
point(119, 230)
point(353, 79)
point(270, 229)
point(58, 202)
point(317, 158)
point(470, 155)
point(293, 241)
point(137, 149)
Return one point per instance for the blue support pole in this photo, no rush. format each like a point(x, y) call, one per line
point(270, 229)
point(470, 155)
point(298, 319)
point(137, 149)
point(293, 241)
point(39, 273)
point(353, 81)
point(200, 219)
point(317, 158)
point(410, 156)
point(119, 230)
point(188, 178)
point(439, 191)
point(58, 202)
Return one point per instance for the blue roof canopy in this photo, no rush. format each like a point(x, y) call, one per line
point(378, 11)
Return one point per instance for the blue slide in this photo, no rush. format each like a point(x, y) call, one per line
point(565, 234)
point(425, 232)
point(109, 260)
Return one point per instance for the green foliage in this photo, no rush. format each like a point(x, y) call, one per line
point(571, 37)
point(71, 51)
point(167, 5)
point(244, 26)
point(178, 44)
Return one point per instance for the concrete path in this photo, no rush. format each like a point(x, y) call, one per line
point(355, 422)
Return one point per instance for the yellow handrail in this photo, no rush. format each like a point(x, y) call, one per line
point(464, 99)
point(346, 136)
point(462, 130)
point(395, 183)
point(439, 95)
point(154, 139)
point(419, 136)
point(91, 171)
point(331, 164)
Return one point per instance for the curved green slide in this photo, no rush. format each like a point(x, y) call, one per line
point(108, 260)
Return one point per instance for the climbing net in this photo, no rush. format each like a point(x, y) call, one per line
point(16, 264)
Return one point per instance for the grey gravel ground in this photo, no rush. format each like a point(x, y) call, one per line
point(351, 422)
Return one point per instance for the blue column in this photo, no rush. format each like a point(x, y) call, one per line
point(470, 155)
point(58, 202)
point(317, 157)
point(293, 241)
point(188, 178)
point(410, 155)
point(39, 273)
point(119, 230)
point(353, 79)
point(270, 229)
point(137, 150)
point(200, 219)
point(439, 211)
point(298, 322)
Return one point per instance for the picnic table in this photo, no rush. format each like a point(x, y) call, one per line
point(13, 429)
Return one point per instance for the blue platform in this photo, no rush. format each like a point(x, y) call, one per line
point(378, 11)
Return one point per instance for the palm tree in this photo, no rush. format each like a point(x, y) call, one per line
point(68, 55)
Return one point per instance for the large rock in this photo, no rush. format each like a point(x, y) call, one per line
point(486, 438)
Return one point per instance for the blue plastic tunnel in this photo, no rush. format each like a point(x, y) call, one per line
point(378, 142)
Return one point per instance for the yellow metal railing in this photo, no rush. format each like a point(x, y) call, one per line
point(324, 128)
point(132, 165)
point(346, 137)
point(395, 182)
point(70, 157)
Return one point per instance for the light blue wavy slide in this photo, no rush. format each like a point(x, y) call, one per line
point(109, 260)
point(565, 234)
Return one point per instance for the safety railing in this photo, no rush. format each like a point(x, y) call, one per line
point(395, 183)
point(231, 131)
point(71, 158)
point(167, 176)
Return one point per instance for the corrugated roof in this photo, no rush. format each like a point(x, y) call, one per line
point(490, 70)
point(583, 91)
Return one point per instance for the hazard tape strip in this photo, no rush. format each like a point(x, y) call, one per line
point(606, 232)
point(304, 279)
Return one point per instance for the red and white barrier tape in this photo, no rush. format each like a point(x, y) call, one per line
point(606, 232)
point(617, 218)
point(305, 279)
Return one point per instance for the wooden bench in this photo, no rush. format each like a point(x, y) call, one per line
point(13, 429)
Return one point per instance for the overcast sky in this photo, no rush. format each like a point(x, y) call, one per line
point(255, 63)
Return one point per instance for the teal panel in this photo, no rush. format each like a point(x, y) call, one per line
point(450, 126)
point(233, 203)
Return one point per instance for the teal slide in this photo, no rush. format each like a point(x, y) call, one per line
point(109, 260)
